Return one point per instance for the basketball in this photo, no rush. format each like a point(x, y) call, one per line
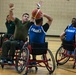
point(37, 13)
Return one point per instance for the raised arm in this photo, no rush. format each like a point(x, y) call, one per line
point(39, 4)
point(11, 8)
point(48, 18)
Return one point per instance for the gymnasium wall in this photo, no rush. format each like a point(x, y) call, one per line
point(62, 11)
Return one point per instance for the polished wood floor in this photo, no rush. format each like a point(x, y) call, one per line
point(54, 44)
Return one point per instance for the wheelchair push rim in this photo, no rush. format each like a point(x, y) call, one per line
point(50, 62)
point(22, 60)
point(61, 57)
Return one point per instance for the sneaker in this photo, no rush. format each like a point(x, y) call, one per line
point(10, 62)
point(2, 61)
point(68, 52)
point(32, 63)
point(72, 52)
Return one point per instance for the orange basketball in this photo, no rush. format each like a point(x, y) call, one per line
point(37, 13)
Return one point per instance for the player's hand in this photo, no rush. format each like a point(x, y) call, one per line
point(11, 5)
point(39, 4)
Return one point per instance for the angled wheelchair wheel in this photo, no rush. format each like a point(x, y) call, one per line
point(61, 57)
point(22, 60)
point(50, 64)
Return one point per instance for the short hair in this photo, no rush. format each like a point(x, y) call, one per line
point(25, 14)
point(73, 18)
point(38, 20)
point(74, 25)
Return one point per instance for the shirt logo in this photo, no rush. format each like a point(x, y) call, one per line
point(36, 30)
point(71, 30)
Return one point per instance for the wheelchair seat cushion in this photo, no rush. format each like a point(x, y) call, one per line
point(39, 48)
point(68, 45)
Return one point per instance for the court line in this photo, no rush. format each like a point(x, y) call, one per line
point(67, 69)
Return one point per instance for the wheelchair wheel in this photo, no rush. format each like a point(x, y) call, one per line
point(50, 64)
point(22, 60)
point(61, 57)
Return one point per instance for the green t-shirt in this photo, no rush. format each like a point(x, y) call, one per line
point(21, 30)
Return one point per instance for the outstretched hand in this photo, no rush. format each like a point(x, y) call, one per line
point(11, 6)
point(39, 4)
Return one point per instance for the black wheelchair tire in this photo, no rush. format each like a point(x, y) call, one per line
point(56, 57)
point(24, 59)
point(53, 62)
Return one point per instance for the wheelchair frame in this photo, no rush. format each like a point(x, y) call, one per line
point(47, 60)
point(63, 57)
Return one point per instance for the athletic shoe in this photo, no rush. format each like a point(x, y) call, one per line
point(2, 61)
point(10, 62)
point(32, 63)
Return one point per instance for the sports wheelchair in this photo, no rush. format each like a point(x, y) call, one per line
point(66, 51)
point(18, 51)
point(47, 57)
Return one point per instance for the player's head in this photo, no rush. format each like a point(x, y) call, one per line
point(74, 24)
point(25, 17)
point(39, 21)
point(73, 20)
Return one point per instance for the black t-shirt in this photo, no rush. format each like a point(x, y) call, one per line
point(45, 27)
